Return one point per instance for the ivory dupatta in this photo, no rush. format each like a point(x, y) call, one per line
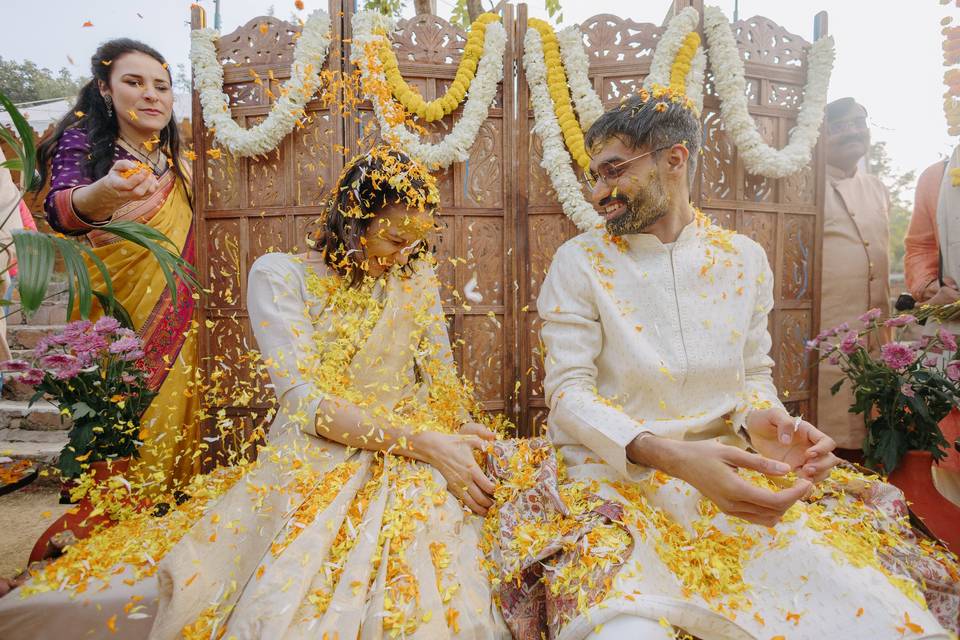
point(264, 575)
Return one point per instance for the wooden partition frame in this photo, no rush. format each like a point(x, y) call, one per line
point(499, 216)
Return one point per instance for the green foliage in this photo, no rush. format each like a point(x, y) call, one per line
point(460, 15)
point(878, 161)
point(553, 10)
point(902, 403)
point(26, 82)
point(386, 7)
point(94, 377)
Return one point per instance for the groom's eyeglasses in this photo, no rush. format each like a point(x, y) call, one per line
point(610, 172)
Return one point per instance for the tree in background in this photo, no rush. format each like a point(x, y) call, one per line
point(26, 82)
point(899, 186)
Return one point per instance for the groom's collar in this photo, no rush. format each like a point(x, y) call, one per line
point(648, 241)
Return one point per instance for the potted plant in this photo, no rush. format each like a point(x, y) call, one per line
point(93, 372)
point(903, 390)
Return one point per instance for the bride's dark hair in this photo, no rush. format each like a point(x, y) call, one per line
point(379, 178)
point(101, 127)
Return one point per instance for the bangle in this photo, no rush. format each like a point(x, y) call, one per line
point(83, 218)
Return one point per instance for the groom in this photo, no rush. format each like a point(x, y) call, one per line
point(655, 326)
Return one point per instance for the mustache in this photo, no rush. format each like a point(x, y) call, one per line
point(853, 137)
point(611, 199)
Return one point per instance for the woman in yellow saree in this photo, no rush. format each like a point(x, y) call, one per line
point(117, 157)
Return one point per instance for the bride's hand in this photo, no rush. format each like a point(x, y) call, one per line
point(452, 455)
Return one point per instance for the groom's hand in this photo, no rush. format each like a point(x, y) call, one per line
point(777, 435)
point(711, 468)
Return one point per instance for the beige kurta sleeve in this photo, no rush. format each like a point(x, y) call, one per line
point(279, 314)
point(757, 363)
point(573, 336)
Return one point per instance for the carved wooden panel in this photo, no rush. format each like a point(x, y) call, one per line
point(792, 358)
point(264, 40)
point(478, 235)
point(500, 220)
point(761, 227)
point(718, 160)
point(763, 41)
point(610, 38)
point(252, 206)
point(796, 275)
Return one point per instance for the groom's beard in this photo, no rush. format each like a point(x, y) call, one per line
point(646, 207)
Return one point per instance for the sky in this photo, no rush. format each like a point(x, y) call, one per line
point(888, 53)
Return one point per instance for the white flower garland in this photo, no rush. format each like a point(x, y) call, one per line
point(455, 146)
point(577, 65)
point(309, 54)
point(758, 157)
point(666, 52)
point(695, 78)
point(556, 159)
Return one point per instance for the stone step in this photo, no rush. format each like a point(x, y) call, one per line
point(44, 454)
point(53, 310)
point(42, 416)
point(13, 389)
point(48, 313)
point(26, 336)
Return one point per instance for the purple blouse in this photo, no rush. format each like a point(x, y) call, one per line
point(68, 171)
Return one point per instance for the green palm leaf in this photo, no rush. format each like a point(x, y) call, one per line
point(36, 254)
point(171, 263)
point(25, 149)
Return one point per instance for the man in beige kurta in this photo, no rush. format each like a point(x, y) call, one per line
point(855, 264)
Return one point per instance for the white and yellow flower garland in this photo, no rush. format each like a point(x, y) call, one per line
point(679, 53)
point(557, 71)
point(436, 109)
point(678, 68)
point(585, 98)
point(758, 157)
point(951, 77)
point(556, 160)
point(309, 55)
point(369, 34)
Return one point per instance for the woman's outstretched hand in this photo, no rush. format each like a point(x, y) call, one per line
point(126, 181)
point(452, 454)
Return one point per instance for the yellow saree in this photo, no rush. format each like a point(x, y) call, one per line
point(170, 455)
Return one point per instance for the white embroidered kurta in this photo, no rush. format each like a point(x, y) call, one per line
point(644, 337)
point(676, 337)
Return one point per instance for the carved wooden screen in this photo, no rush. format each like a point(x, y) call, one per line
point(478, 213)
point(246, 207)
point(500, 218)
point(780, 214)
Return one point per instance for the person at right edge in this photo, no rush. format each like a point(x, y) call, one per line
point(931, 266)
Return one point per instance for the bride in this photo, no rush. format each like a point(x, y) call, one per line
point(352, 522)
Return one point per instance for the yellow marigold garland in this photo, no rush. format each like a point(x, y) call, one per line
point(560, 93)
point(434, 110)
point(682, 63)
